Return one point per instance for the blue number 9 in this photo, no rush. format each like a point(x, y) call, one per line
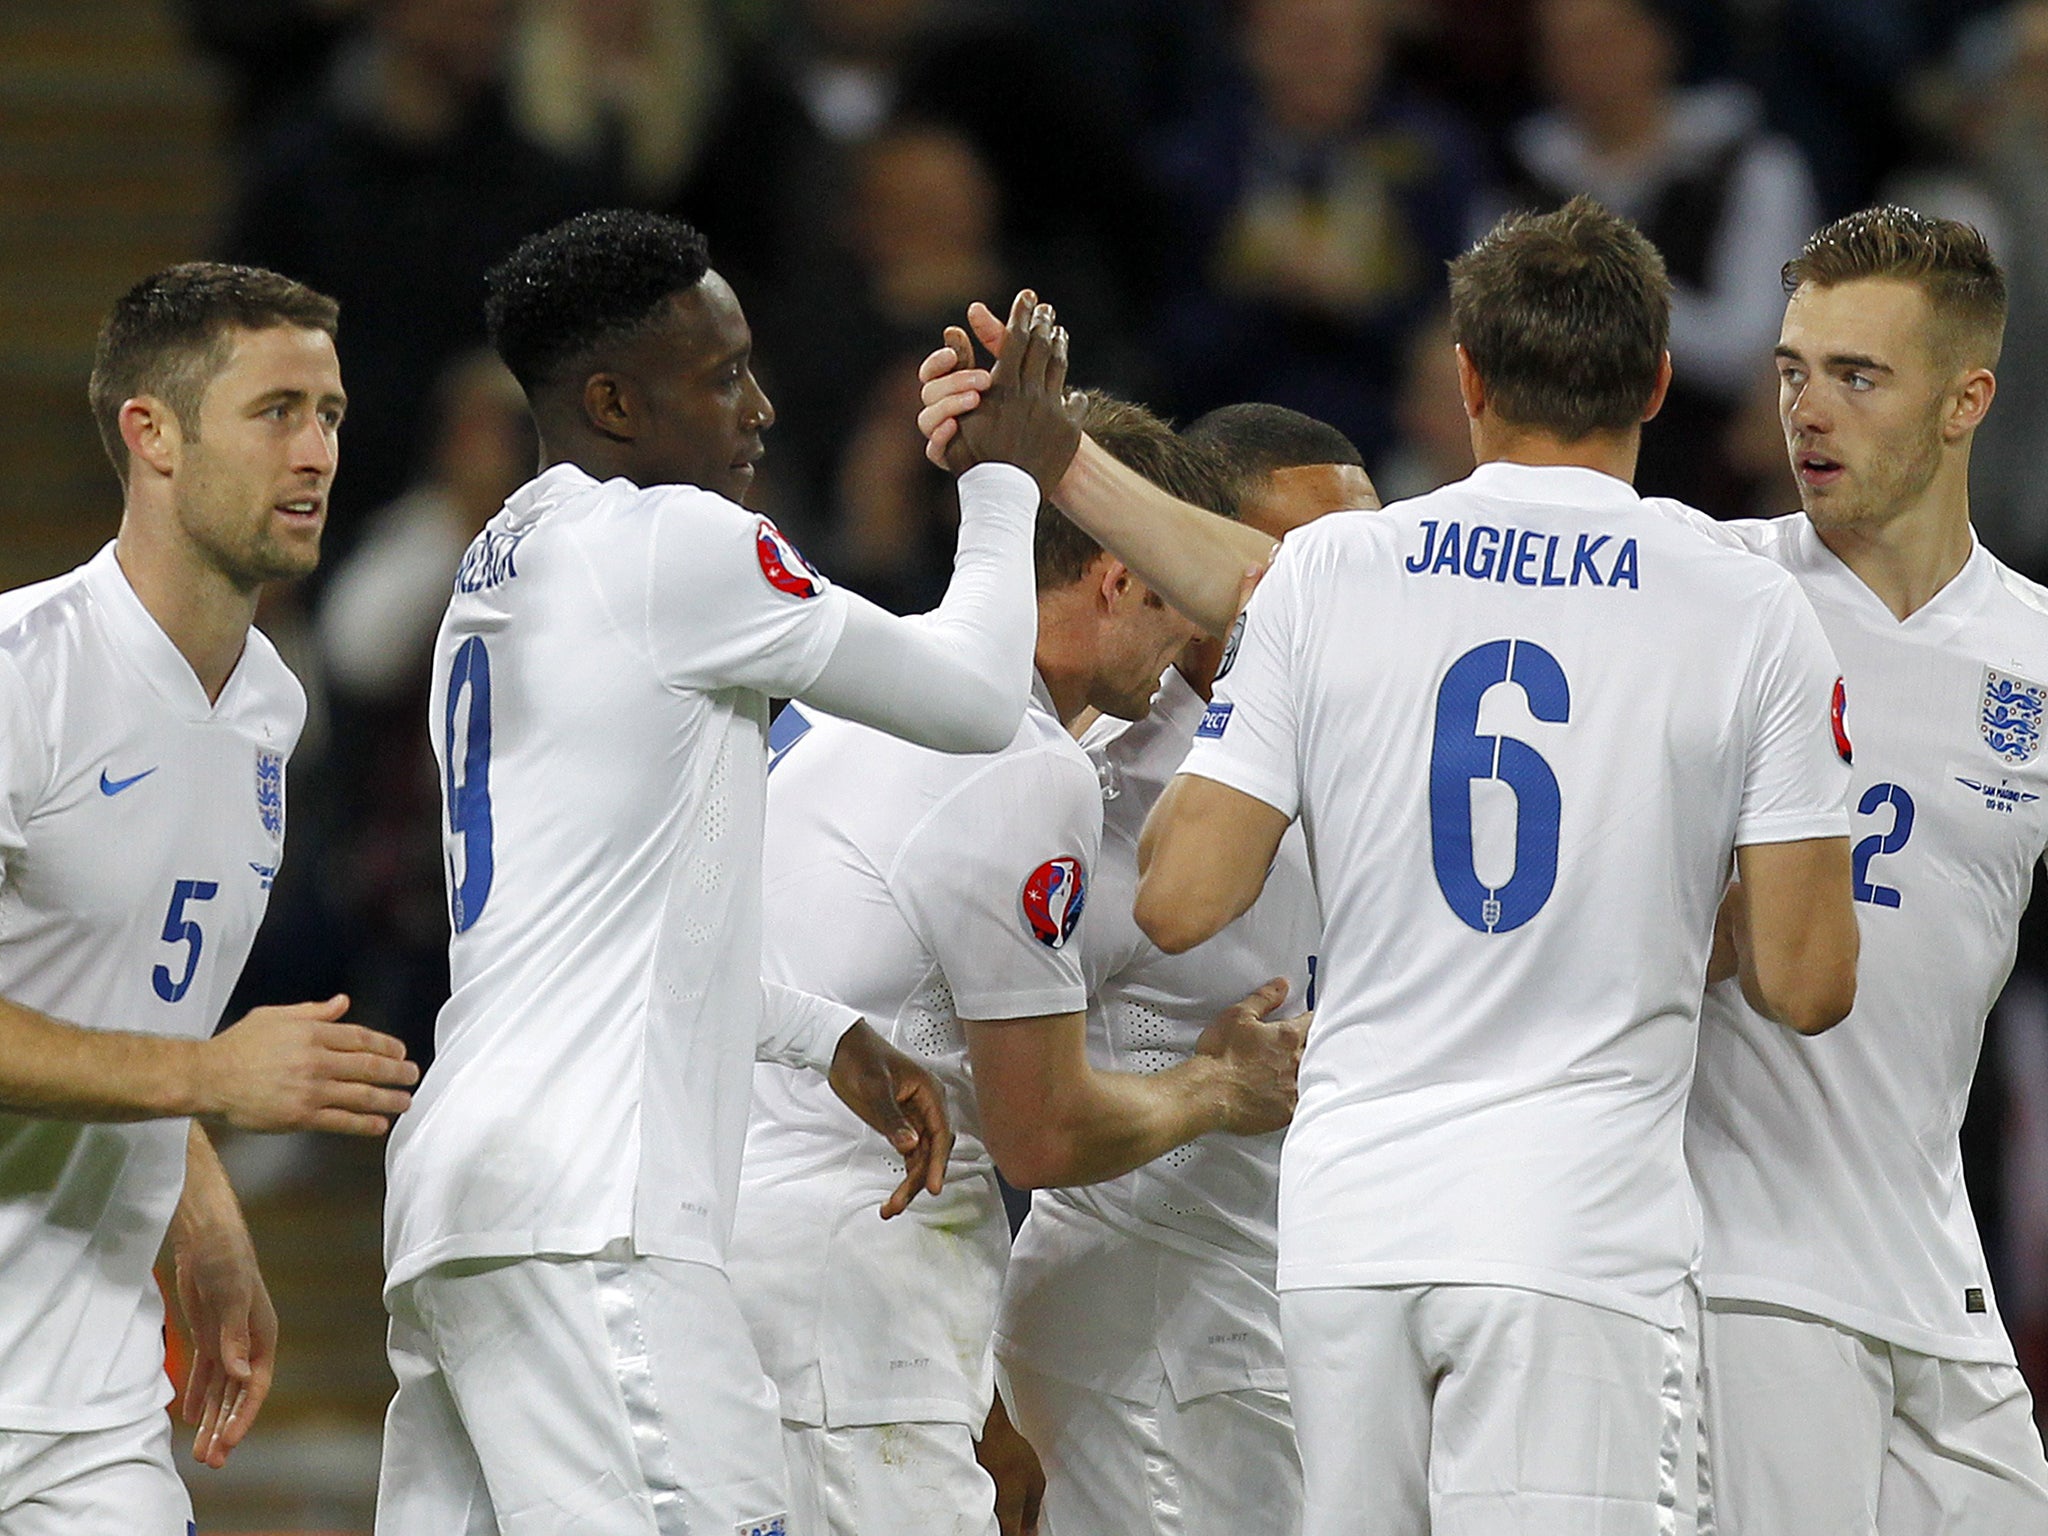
point(469, 792)
point(1459, 754)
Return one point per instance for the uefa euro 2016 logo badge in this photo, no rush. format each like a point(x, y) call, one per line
point(1052, 898)
point(785, 569)
point(270, 790)
point(2011, 717)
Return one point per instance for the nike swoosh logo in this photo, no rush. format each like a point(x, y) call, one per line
point(115, 786)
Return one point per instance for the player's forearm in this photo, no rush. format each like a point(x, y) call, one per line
point(60, 1071)
point(955, 679)
point(1197, 561)
point(207, 1207)
point(1113, 1122)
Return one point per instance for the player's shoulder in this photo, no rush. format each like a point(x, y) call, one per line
point(271, 692)
point(2021, 611)
point(42, 614)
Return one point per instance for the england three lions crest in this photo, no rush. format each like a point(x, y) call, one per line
point(270, 791)
point(2010, 720)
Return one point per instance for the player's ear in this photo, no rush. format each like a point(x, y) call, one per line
point(608, 407)
point(1969, 402)
point(1113, 583)
point(152, 433)
point(1471, 387)
point(1661, 388)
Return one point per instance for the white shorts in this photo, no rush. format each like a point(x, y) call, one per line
point(578, 1397)
point(1219, 1465)
point(102, 1482)
point(1472, 1410)
point(887, 1480)
point(1816, 1429)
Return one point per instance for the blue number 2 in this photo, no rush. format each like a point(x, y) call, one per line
point(1459, 754)
point(1878, 844)
point(468, 757)
point(180, 929)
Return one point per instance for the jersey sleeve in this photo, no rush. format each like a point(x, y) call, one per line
point(1249, 734)
point(800, 1029)
point(731, 604)
point(994, 881)
point(1796, 768)
point(24, 763)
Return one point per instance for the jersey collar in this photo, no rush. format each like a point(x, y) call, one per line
point(149, 649)
point(1939, 616)
point(1564, 485)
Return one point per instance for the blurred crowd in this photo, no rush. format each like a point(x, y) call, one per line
point(1227, 199)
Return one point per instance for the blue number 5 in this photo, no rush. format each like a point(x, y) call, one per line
point(180, 929)
point(469, 781)
point(1878, 844)
point(1459, 754)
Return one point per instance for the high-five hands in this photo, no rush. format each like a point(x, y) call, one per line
point(1015, 413)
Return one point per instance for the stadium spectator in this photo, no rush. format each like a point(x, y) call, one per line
point(632, 81)
point(1317, 205)
point(393, 193)
point(918, 236)
point(1435, 445)
point(1726, 200)
point(836, 74)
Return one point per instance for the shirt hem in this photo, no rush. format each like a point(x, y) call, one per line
point(869, 1412)
point(1222, 770)
point(84, 1419)
point(1662, 1310)
point(981, 1007)
point(1827, 1309)
point(1791, 827)
point(573, 1243)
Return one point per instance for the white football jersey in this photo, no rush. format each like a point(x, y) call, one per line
point(1828, 1168)
point(1178, 1256)
point(919, 889)
point(1524, 721)
point(600, 717)
point(140, 829)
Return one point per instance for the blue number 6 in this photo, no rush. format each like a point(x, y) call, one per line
point(180, 929)
point(469, 793)
point(1459, 754)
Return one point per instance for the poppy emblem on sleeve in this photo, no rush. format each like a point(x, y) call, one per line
point(1837, 708)
point(786, 570)
point(1052, 898)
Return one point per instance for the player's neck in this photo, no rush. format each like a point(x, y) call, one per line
point(1611, 453)
point(1907, 559)
point(206, 616)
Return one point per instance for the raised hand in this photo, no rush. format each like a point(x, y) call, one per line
point(894, 1094)
point(1263, 1056)
point(301, 1068)
point(1015, 413)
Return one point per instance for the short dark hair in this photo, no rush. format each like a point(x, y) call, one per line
point(1565, 317)
point(1139, 440)
point(169, 335)
point(1255, 440)
point(595, 278)
point(1950, 262)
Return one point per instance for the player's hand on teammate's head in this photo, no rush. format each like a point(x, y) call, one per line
point(1263, 1057)
point(301, 1067)
point(894, 1094)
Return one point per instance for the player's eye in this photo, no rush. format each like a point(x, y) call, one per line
point(1861, 381)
